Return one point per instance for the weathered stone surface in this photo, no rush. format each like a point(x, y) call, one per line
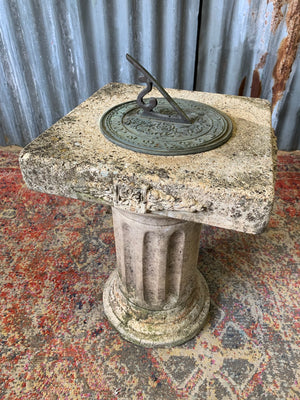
point(230, 187)
point(156, 297)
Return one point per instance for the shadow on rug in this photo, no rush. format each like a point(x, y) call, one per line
point(56, 343)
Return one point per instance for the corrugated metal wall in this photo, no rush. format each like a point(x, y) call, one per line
point(251, 48)
point(56, 53)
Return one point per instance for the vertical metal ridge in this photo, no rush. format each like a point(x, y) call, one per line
point(53, 55)
point(245, 49)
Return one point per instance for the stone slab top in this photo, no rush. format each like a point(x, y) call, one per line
point(230, 187)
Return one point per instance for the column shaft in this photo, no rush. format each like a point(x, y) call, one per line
point(157, 276)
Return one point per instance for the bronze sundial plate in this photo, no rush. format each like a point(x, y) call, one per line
point(126, 126)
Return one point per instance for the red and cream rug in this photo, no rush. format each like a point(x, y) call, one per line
point(57, 253)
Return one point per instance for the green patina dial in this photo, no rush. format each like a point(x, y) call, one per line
point(126, 126)
point(165, 126)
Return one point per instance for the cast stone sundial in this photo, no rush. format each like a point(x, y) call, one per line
point(166, 166)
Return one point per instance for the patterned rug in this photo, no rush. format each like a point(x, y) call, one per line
point(57, 253)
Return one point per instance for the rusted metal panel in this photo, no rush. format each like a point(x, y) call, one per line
point(250, 48)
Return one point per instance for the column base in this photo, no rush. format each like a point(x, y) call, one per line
point(156, 328)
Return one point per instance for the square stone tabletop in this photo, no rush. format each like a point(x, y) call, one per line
point(230, 187)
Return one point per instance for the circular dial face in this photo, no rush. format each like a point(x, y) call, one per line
point(127, 126)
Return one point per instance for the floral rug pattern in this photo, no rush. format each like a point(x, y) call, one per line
point(55, 257)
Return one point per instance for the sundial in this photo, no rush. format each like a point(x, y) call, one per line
point(157, 296)
point(164, 126)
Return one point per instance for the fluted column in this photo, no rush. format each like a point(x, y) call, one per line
point(156, 296)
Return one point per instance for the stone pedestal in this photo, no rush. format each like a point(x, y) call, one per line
point(156, 296)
